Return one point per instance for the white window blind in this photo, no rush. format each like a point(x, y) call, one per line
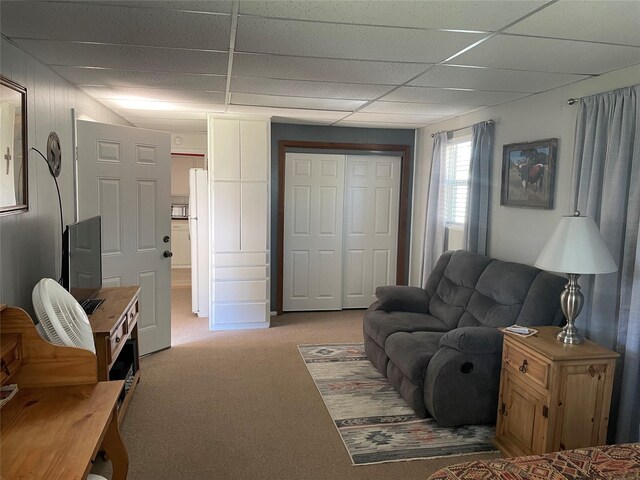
point(457, 158)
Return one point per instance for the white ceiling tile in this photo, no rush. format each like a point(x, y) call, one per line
point(127, 78)
point(493, 79)
point(548, 55)
point(394, 118)
point(285, 37)
point(404, 126)
point(126, 57)
point(430, 109)
point(300, 88)
point(610, 21)
point(324, 70)
point(114, 24)
point(161, 95)
point(288, 112)
point(295, 102)
point(452, 97)
point(467, 15)
point(171, 125)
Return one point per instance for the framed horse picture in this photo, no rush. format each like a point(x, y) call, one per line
point(528, 174)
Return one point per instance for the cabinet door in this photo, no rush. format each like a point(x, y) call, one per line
point(583, 406)
point(522, 422)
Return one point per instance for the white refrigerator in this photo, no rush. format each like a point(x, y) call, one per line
point(199, 235)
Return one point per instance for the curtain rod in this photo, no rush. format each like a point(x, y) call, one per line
point(490, 122)
point(572, 101)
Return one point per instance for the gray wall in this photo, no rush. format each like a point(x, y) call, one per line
point(310, 133)
point(30, 242)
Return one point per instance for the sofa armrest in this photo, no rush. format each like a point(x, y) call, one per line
point(401, 298)
point(473, 340)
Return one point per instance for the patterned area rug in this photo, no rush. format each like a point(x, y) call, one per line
point(375, 423)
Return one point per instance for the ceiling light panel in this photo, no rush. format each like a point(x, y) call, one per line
point(114, 24)
point(452, 97)
point(468, 15)
point(295, 102)
point(327, 40)
point(210, 6)
point(126, 57)
point(610, 22)
point(180, 96)
point(127, 78)
point(430, 109)
point(548, 55)
point(493, 79)
point(327, 70)
point(299, 88)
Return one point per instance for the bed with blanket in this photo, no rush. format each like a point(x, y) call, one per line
point(594, 463)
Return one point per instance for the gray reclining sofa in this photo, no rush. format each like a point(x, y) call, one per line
point(440, 346)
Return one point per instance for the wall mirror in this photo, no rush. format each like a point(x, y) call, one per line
point(13, 147)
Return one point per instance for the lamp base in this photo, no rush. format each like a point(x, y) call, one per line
point(571, 301)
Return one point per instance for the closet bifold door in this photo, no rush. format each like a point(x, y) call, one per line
point(313, 237)
point(371, 201)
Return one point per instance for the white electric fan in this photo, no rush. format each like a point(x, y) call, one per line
point(62, 319)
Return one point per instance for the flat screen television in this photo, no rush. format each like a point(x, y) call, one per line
point(82, 261)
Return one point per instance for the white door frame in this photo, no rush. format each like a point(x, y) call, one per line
point(406, 160)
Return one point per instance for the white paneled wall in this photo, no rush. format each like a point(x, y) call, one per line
point(239, 175)
point(30, 242)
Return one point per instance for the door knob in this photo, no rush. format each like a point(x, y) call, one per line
point(166, 239)
point(167, 253)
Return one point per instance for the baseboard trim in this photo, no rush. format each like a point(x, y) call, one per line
point(239, 326)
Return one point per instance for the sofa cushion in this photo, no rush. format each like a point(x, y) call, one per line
point(499, 295)
point(542, 305)
point(403, 298)
point(473, 340)
point(380, 324)
point(411, 352)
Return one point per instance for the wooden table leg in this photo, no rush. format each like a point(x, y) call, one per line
point(115, 450)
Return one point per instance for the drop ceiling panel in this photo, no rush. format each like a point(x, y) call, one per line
point(301, 121)
point(153, 115)
point(548, 55)
point(126, 57)
point(115, 24)
point(295, 102)
point(418, 108)
point(128, 78)
point(299, 88)
point(452, 97)
point(469, 15)
point(395, 118)
point(493, 79)
point(169, 125)
point(160, 95)
point(161, 109)
point(211, 6)
point(408, 126)
point(284, 37)
point(325, 115)
point(611, 22)
point(327, 70)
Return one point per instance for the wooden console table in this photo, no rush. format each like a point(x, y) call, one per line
point(115, 332)
point(61, 416)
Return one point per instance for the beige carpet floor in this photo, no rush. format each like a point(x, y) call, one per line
point(241, 405)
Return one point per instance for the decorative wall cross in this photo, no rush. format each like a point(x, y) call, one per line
point(7, 157)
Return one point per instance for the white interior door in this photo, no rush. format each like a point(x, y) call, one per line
point(124, 176)
point(314, 186)
point(370, 250)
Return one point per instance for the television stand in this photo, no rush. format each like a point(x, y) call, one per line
point(115, 332)
point(90, 306)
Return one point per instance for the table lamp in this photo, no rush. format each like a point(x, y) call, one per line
point(576, 248)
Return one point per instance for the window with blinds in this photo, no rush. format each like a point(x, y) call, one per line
point(457, 158)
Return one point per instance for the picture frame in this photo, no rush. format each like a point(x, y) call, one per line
point(528, 174)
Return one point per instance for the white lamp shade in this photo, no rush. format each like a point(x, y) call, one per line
point(576, 246)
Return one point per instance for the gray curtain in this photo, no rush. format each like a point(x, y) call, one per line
point(477, 216)
point(434, 227)
point(606, 187)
